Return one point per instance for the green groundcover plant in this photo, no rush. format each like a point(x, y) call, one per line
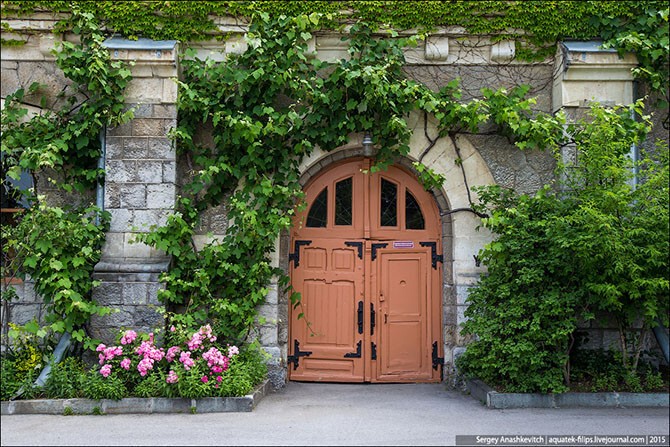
point(194, 365)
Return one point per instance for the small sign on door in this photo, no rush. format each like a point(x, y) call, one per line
point(403, 244)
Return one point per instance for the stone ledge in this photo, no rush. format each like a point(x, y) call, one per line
point(493, 399)
point(133, 405)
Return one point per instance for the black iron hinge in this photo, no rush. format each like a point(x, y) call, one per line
point(295, 358)
point(358, 245)
point(358, 353)
point(295, 256)
point(359, 313)
point(433, 251)
point(437, 361)
point(376, 247)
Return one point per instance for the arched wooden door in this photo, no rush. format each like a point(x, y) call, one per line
point(366, 259)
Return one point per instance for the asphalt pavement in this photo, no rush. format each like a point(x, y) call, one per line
point(305, 414)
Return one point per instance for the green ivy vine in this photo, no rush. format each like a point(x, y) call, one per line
point(536, 25)
point(268, 108)
point(58, 246)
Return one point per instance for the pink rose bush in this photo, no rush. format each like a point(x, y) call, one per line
point(194, 368)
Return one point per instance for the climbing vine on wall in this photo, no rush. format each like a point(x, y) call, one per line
point(267, 109)
point(270, 106)
point(58, 246)
point(638, 26)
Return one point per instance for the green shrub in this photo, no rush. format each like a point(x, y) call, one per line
point(246, 370)
point(152, 385)
point(12, 379)
point(65, 379)
point(95, 386)
point(190, 384)
point(592, 244)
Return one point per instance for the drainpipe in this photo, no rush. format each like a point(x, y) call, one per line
point(660, 332)
point(99, 190)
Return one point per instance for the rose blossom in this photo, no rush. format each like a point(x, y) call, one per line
point(172, 353)
point(185, 358)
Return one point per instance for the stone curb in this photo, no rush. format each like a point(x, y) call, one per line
point(493, 399)
point(139, 405)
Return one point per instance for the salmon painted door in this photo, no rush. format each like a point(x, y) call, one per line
point(364, 259)
point(329, 277)
point(402, 285)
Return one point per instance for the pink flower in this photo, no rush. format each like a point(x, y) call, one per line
point(204, 379)
point(172, 377)
point(185, 358)
point(172, 328)
point(172, 353)
point(233, 350)
point(111, 352)
point(195, 342)
point(100, 347)
point(156, 354)
point(145, 365)
point(219, 379)
point(106, 370)
point(128, 337)
point(125, 363)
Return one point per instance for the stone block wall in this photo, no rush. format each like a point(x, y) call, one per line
point(26, 307)
point(139, 190)
point(143, 173)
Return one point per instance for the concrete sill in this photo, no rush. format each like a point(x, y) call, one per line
point(139, 405)
point(493, 399)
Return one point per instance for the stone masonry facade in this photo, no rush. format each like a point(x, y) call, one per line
point(143, 172)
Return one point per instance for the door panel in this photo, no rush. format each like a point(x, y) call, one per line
point(404, 292)
point(331, 285)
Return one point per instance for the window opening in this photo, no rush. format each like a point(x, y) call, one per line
point(413, 215)
point(389, 204)
point(343, 202)
point(318, 213)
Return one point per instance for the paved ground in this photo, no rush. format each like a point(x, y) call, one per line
point(306, 414)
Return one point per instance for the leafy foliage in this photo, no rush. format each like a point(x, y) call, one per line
point(639, 26)
point(67, 140)
point(58, 248)
point(95, 386)
point(23, 358)
point(648, 36)
point(65, 379)
point(266, 109)
point(594, 244)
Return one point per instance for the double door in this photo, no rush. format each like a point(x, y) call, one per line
point(365, 261)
